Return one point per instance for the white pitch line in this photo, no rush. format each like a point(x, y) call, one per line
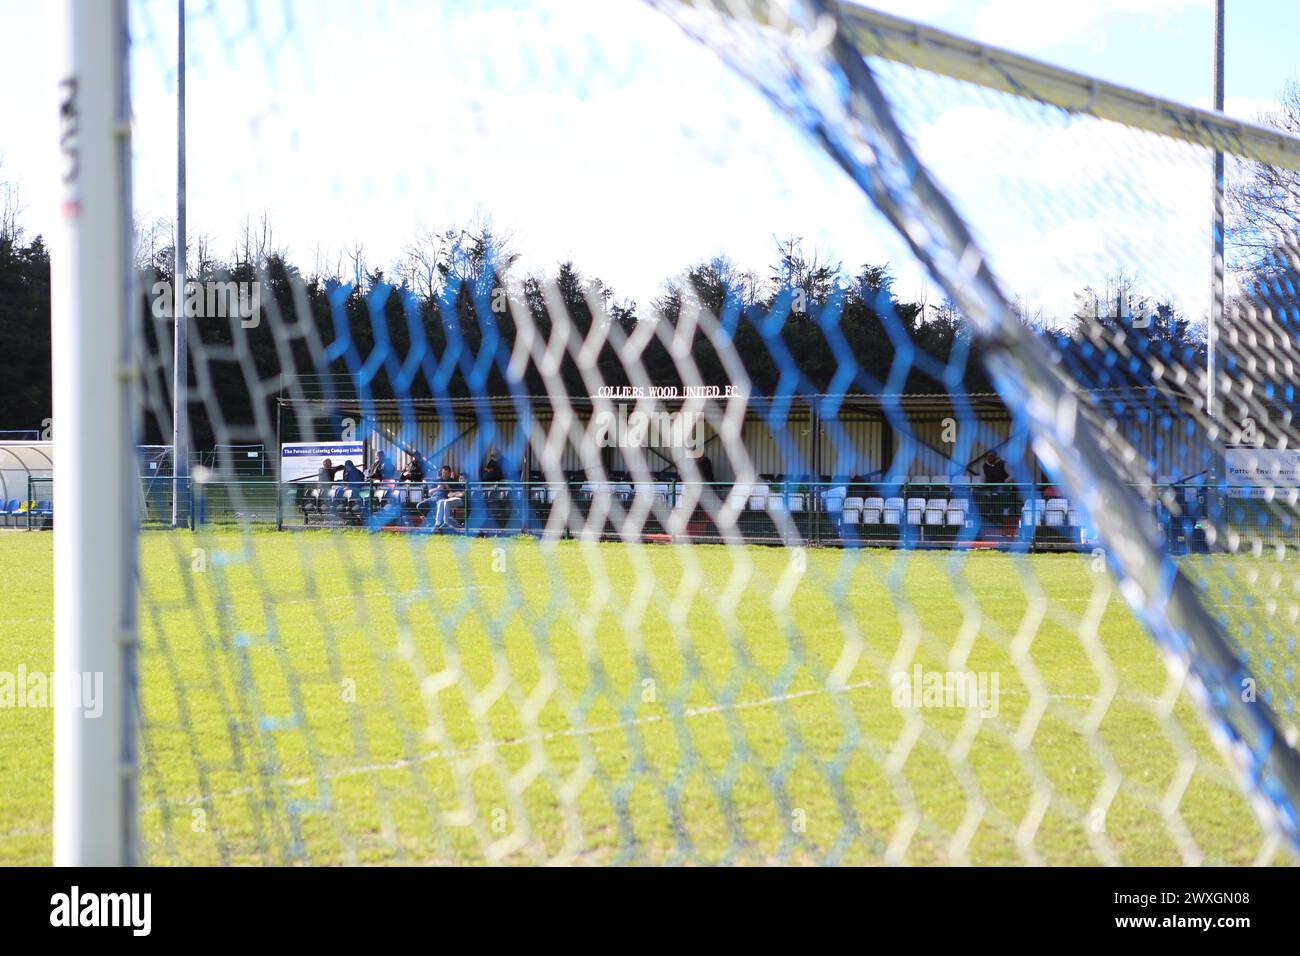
point(406, 762)
point(592, 731)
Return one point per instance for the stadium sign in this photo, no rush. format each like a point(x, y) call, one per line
point(1270, 467)
point(302, 460)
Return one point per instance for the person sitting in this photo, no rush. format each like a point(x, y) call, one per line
point(491, 470)
point(382, 469)
point(455, 497)
point(324, 478)
point(414, 470)
point(353, 475)
point(436, 494)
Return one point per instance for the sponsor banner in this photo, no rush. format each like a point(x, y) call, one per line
point(1265, 467)
point(302, 460)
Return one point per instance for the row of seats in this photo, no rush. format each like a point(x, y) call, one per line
point(16, 512)
point(344, 498)
point(850, 509)
point(952, 512)
point(892, 511)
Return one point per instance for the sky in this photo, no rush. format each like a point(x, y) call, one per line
point(594, 131)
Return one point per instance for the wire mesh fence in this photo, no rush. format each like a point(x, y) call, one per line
point(543, 685)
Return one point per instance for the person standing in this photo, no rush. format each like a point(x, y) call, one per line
point(995, 469)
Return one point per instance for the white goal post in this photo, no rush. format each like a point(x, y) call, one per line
point(94, 537)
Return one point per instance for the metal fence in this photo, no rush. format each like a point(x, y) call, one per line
point(876, 514)
point(908, 514)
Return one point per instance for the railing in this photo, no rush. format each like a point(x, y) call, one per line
point(37, 511)
point(826, 513)
point(898, 514)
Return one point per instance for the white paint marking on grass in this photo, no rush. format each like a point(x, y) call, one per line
point(420, 593)
point(406, 762)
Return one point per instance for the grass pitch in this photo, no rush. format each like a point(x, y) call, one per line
point(351, 698)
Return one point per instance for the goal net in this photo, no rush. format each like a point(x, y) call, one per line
point(834, 472)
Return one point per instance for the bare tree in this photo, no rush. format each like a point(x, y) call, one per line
point(421, 261)
point(11, 210)
point(811, 275)
point(257, 243)
point(1263, 200)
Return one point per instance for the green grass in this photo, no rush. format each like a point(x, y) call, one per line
point(342, 697)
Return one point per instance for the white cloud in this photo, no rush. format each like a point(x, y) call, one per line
point(1032, 25)
point(1248, 108)
point(635, 157)
point(1059, 203)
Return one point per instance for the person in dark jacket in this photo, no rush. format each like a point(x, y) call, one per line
point(382, 469)
point(995, 469)
point(996, 505)
point(414, 470)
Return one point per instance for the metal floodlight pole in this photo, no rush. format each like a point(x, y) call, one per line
point(180, 380)
point(1216, 249)
point(94, 389)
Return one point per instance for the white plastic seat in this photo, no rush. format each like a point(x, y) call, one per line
point(851, 510)
point(892, 515)
point(643, 492)
point(738, 497)
point(872, 514)
point(955, 517)
point(776, 503)
point(758, 496)
point(796, 502)
point(833, 500)
point(1031, 513)
point(915, 510)
point(935, 510)
point(1055, 512)
point(1073, 518)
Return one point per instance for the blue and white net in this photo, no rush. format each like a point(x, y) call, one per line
point(831, 548)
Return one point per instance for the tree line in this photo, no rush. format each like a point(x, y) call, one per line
point(806, 326)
